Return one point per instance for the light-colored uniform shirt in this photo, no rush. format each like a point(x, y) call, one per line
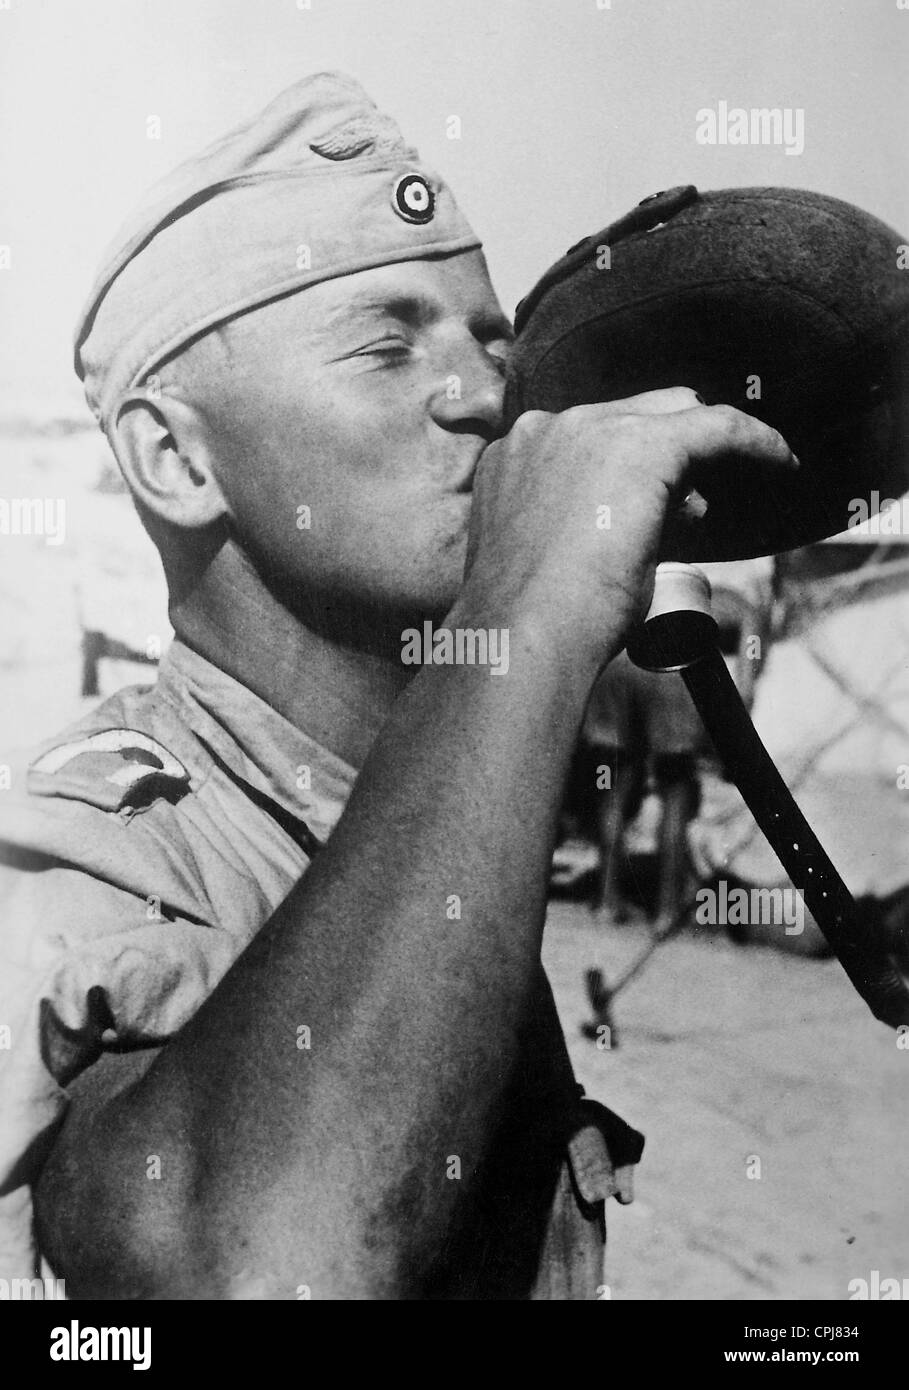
point(139, 854)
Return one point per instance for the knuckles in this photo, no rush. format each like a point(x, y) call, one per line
point(528, 424)
point(675, 421)
point(687, 397)
point(668, 399)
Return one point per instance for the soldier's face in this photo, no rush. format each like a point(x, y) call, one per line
point(351, 427)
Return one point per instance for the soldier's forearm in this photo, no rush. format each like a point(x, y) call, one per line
point(330, 1101)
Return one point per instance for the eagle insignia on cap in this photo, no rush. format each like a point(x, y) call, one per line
point(365, 134)
point(413, 199)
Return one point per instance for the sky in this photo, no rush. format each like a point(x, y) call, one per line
point(570, 111)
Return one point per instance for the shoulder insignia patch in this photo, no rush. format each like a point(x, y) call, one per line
point(110, 769)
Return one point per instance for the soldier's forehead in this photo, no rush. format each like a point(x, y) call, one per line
point(413, 292)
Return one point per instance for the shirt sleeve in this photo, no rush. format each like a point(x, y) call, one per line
point(85, 962)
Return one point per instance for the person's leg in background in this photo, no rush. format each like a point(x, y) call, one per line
point(674, 735)
point(622, 775)
point(617, 773)
point(676, 779)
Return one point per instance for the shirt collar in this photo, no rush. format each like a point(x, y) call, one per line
point(258, 745)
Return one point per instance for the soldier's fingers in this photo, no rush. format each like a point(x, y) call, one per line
point(713, 430)
point(663, 402)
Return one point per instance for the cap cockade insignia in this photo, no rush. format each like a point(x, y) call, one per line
point(413, 199)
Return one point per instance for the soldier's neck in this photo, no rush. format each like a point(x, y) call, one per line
point(333, 675)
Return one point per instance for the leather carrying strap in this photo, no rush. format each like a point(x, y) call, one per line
point(795, 844)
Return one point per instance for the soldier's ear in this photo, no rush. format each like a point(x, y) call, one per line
point(165, 449)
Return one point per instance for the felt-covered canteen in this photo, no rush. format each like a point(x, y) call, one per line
point(787, 304)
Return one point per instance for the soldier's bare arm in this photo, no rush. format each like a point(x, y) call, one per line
point(329, 1167)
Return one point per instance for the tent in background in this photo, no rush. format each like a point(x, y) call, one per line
point(832, 706)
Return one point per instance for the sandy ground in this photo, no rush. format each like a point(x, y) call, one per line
point(726, 1054)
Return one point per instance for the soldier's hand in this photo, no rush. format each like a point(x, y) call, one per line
point(568, 509)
